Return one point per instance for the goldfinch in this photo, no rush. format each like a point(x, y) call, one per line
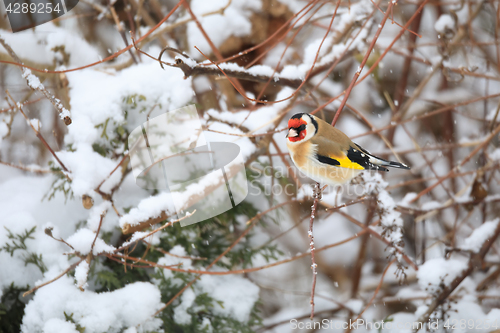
point(325, 154)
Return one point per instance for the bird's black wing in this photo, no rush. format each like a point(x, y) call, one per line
point(327, 160)
point(362, 157)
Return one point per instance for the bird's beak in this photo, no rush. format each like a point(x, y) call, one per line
point(292, 133)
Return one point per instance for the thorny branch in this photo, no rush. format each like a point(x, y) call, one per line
point(191, 68)
point(365, 59)
point(63, 112)
point(475, 261)
point(314, 266)
point(38, 134)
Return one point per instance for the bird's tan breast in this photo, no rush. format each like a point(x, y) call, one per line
point(303, 156)
point(300, 152)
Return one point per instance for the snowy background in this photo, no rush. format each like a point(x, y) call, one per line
point(84, 249)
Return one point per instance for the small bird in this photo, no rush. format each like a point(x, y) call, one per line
point(325, 154)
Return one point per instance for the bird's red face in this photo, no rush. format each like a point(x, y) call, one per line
point(296, 129)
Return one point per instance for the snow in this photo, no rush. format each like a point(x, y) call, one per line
point(174, 259)
point(437, 271)
point(57, 325)
point(288, 72)
point(390, 219)
point(202, 84)
point(480, 235)
point(153, 239)
point(149, 208)
point(88, 169)
point(145, 79)
point(130, 330)
point(495, 155)
point(261, 70)
point(257, 121)
point(292, 72)
point(467, 311)
point(234, 22)
point(81, 274)
point(33, 80)
point(21, 212)
point(407, 199)
point(188, 61)
point(181, 315)
point(373, 183)
point(240, 26)
point(431, 205)
point(305, 191)
point(46, 38)
point(355, 305)
point(237, 294)
point(82, 241)
point(330, 52)
point(444, 23)
point(35, 123)
point(114, 311)
point(95, 215)
point(335, 229)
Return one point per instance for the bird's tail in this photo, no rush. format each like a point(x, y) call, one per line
point(379, 161)
point(370, 162)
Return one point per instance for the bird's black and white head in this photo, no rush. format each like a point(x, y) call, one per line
point(301, 127)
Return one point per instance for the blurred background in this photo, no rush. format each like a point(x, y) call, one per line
point(392, 250)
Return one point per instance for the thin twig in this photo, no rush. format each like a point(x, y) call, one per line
point(317, 197)
point(363, 62)
point(97, 233)
point(236, 271)
point(70, 268)
point(474, 261)
point(111, 57)
point(34, 169)
point(63, 112)
point(38, 134)
point(377, 289)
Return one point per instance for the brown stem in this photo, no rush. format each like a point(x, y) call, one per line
point(317, 197)
point(37, 133)
point(403, 81)
point(243, 74)
point(474, 261)
point(149, 263)
point(455, 169)
point(356, 275)
point(40, 87)
point(70, 268)
point(113, 56)
point(251, 224)
point(363, 62)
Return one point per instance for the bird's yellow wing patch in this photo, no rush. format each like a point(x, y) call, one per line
point(345, 162)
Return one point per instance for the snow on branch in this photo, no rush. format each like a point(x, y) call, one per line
point(291, 75)
point(35, 84)
point(449, 279)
